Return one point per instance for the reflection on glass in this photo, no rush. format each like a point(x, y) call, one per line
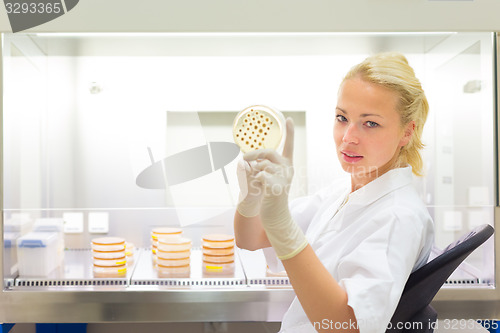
point(84, 115)
point(460, 155)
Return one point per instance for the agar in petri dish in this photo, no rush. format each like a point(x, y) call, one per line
point(259, 127)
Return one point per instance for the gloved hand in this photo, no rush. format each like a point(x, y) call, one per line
point(275, 173)
point(251, 190)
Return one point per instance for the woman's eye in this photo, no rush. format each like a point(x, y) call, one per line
point(341, 118)
point(371, 124)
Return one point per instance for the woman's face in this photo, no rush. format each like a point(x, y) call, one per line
point(367, 131)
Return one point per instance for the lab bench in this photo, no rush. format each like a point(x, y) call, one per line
point(73, 295)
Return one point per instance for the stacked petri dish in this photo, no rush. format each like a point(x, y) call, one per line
point(162, 232)
point(218, 254)
point(130, 253)
point(109, 257)
point(173, 257)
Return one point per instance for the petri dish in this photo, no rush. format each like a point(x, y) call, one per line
point(174, 271)
point(129, 249)
point(165, 232)
point(110, 271)
point(218, 259)
point(108, 254)
point(110, 262)
point(221, 251)
point(259, 127)
point(217, 241)
point(173, 254)
point(129, 252)
point(173, 262)
point(174, 245)
point(107, 244)
point(218, 268)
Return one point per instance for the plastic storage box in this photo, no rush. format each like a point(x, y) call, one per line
point(37, 253)
point(52, 225)
point(19, 223)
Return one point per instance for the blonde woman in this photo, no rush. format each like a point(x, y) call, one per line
point(349, 249)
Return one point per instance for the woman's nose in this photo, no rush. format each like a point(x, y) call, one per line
point(351, 134)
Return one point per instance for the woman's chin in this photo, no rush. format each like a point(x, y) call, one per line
point(359, 170)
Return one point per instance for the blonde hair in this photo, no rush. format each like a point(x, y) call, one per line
point(391, 70)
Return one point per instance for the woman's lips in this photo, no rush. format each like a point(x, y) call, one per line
point(350, 157)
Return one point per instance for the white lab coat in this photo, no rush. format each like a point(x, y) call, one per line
point(370, 246)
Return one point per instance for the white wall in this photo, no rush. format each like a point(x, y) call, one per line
point(130, 113)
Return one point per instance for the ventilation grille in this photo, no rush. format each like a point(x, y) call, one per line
point(190, 282)
point(142, 274)
point(270, 281)
point(64, 283)
point(452, 282)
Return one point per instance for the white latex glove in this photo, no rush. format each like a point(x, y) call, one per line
point(275, 173)
point(251, 190)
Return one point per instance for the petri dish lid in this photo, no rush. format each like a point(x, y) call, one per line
point(225, 259)
point(108, 241)
point(218, 263)
point(259, 127)
point(227, 248)
point(174, 267)
point(111, 267)
point(108, 254)
point(218, 238)
point(172, 241)
point(166, 230)
point(110, 259)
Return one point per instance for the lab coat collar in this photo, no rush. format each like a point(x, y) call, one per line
point(335, 216)
point(377, 188)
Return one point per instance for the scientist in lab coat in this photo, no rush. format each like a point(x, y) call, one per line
point(349, 249)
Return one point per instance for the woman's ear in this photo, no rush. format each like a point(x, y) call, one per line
point(407, 134)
